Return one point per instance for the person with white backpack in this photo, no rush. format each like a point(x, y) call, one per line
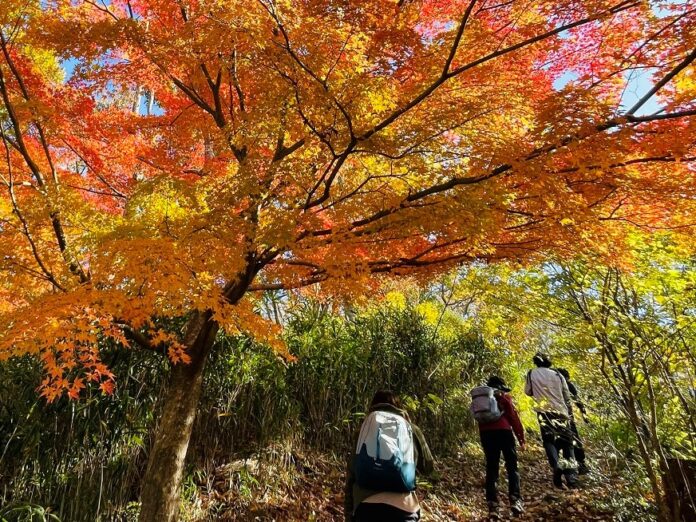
point(381, 480)
point(498, 420)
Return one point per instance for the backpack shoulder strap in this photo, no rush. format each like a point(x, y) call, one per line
point(566, 392)
point(498, 395)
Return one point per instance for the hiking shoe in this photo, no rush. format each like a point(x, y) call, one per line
point(558, 479)
point(583, 469)
point(517, 507)
point(493, 508)
point(567, 464)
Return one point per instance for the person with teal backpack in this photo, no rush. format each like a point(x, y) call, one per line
point(381, 480)
point(499, 424)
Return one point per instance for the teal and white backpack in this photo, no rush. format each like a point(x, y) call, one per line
point(385, 457)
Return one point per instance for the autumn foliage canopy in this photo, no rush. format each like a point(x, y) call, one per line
point(163, 158)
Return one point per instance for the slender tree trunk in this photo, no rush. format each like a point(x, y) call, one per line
point(640, 427)
point(161, 483)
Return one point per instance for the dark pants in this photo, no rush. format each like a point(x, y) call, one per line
point(383, 513)
point(495, 442)
point(577, 443)
point(557, 437)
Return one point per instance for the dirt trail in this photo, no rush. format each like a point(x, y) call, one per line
point(311, 489)
point(458, 496)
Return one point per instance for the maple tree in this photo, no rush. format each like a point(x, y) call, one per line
point(200, 152)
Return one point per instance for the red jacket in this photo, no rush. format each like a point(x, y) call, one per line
point(509, 421)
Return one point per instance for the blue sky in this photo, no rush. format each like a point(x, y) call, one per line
point(639, 82)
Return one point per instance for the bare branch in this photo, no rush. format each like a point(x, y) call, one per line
point(458, 38)
point(664, 81)
point(658, 117)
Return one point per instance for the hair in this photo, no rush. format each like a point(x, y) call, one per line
point(542, 360)
point(564, 373)
point(385, 397)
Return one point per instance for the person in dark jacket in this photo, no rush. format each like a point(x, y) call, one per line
point(580, 457)
point(363, 505)
point(496, 438)
point(554, 411)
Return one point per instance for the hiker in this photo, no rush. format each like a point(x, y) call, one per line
point(550, 392)
point(380, 487)
point(577, 441)
point(497, 419)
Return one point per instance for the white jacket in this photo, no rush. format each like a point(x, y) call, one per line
point(550, 391)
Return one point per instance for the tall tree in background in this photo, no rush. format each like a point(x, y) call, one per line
point(309, 141)
point(643, 325)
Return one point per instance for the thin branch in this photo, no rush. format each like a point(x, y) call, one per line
point(235, 82)
point(458, 38)
point(322, 82)
point(455, 72)
point(59, 232)
point(140, 338)
point(658, 117)
point(104, 10)
point(664, 81)
point(263, 287)
point(25, 225)
point(114, 192)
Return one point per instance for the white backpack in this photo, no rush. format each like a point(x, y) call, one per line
point(484, 405)
point(385, 457)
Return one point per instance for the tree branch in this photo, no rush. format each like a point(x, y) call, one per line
point(140, 338)
point(664, 81)
point(25, 225)
point(455, 72)
point(74, 266)
point(458, 38)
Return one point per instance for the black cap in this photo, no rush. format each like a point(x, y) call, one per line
point(496, 382)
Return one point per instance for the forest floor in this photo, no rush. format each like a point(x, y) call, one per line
point(309, 488)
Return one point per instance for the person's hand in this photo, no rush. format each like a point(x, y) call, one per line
point(523, 447)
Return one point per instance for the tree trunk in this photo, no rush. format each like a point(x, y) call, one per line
point(161, 483)
point(159, 495)
point(681, 489)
